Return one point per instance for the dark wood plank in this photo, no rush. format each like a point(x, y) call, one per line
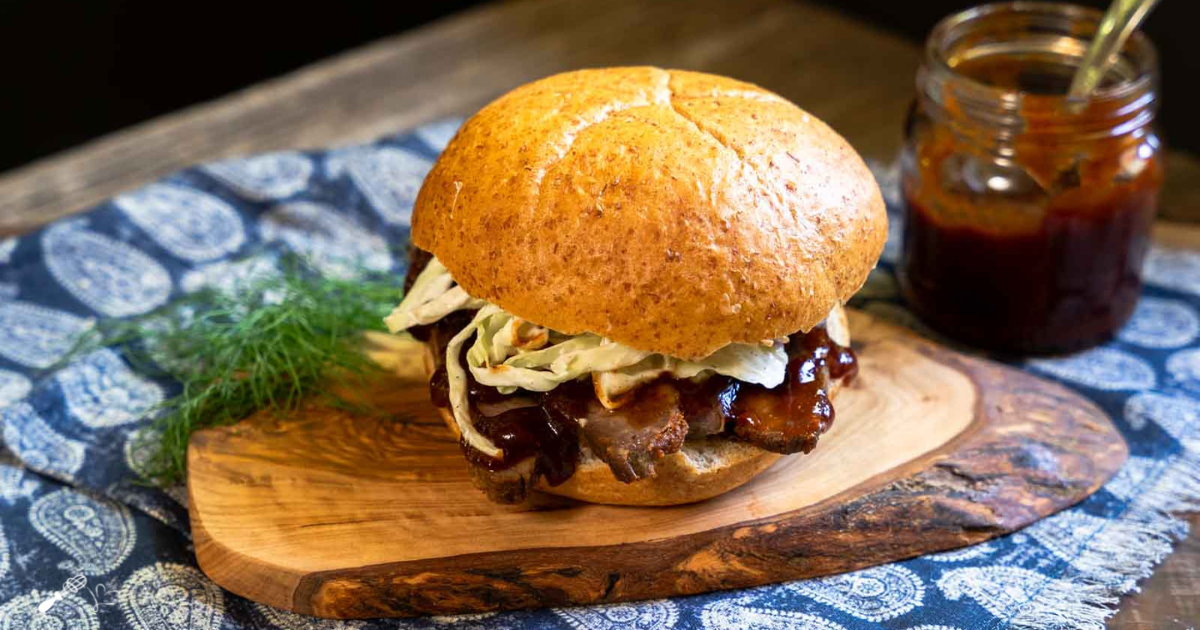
point(276, 501)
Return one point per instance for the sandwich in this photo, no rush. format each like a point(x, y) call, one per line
point(630, 281)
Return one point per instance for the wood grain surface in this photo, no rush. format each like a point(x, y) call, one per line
point(857, 77)
point(325, 513)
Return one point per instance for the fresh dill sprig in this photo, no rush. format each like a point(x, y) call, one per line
point(269, 344)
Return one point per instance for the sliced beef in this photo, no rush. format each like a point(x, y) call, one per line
point(631, 438)
point(789, 418)
point(489, 408)
point(510, 485)
point(537, 444)
point(707, 406)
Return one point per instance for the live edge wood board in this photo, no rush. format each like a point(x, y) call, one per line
point(329, 514)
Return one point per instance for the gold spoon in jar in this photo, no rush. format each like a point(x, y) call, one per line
point(1118, 23)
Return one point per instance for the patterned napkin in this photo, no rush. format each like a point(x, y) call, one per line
point(75, 528)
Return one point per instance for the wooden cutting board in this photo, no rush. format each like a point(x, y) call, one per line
point(328, 514)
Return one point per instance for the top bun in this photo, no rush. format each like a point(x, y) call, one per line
point(671, 211)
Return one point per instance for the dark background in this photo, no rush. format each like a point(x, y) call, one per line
point(77, 70)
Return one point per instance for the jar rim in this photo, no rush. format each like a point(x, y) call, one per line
point(1138, 50)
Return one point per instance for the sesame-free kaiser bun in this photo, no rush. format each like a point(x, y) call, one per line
point(630, 282)
point(671, 211)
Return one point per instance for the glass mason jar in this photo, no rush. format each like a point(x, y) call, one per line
point(1028, 217)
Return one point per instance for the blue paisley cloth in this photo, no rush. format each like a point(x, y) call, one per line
point(69, 504)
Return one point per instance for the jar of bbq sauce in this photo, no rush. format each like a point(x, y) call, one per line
point(1027, 217)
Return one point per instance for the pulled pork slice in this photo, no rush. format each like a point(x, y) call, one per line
point(631, 438)
point(510, 485)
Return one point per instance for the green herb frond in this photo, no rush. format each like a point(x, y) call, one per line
point(268, 344)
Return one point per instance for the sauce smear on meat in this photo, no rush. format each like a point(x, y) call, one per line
point(789, 418)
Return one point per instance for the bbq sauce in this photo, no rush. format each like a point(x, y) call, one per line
point(708, 405)
point(551, 438)
point(785, 419)
point(1044, 256)
point(789, 418)
point(1027, 216)
point(1067, 285)
point(546, 431)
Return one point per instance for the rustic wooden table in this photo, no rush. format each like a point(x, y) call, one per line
point(856, 77)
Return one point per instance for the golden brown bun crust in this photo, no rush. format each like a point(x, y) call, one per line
point(701, 470)
point(672, 211)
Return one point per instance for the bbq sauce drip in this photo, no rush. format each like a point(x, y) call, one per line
point(546, 431)
point(538, 432)
point(791, 417)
